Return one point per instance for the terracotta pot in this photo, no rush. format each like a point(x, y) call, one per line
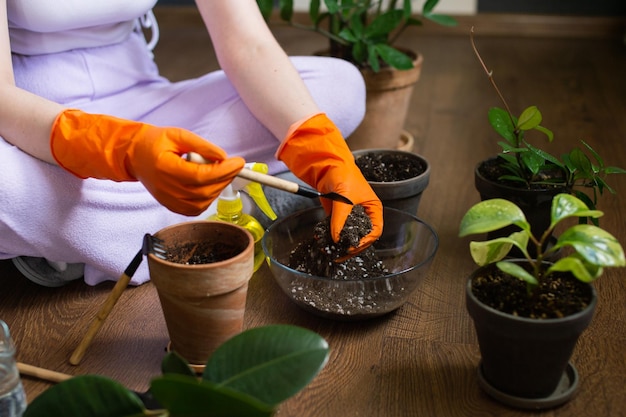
point(525, 361)
point(388, 97)
point(403, 195)
point(203, 304)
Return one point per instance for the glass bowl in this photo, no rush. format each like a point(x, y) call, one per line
point(406, 248)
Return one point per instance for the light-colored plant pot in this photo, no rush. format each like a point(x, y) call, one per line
point(203, 304)
point(525, 361)
point(403, 195)
point(388, 97)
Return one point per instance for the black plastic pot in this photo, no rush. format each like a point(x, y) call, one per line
point(535, 203)
point(402, 195)
point(525, 362)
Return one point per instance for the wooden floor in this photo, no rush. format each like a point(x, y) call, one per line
point(421, 360)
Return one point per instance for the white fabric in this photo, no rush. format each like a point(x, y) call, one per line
point(49, 26)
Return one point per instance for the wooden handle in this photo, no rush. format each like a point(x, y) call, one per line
point(41, 373)
point(254, 176)
point(106, 308)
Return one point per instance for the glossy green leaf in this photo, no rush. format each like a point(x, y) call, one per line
point(393, 57)
point(546, 132)
point(566, 205)
point(490, 215)
point(384, 24)
point(529, 119)
point(517, 271)
point(88, 395)
point(501, 122)
point(491, 251)
point(593, 244)
point(583, 271)
point(270, 363)
point(185, 396)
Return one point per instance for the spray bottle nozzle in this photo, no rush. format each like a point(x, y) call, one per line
point(254, 189)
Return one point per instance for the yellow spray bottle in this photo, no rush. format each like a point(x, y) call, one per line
point(230, 209)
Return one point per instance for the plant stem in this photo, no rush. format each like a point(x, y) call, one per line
point(490, 75)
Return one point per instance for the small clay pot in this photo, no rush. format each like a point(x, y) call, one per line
point(203, 304)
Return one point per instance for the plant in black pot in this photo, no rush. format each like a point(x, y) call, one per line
point(528, 313)
point(530, 176)
point(247, 376)
point(364, 32)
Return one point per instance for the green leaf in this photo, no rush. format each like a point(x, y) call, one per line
point(332, 6)
point(583, 271)
point(441, 19)
point(501, 122)
point(582, 163)
point(173, 363)
point(566, 205)
point(596, 246)
point(384, 24)
point(529, 119)
point(491, 251)
point(546, 132)
point(393, 57)
point(517, 271)
point(490, 215)
point(266, 7)
point(87, 395)
point(286, 9)
point(314, 10)
point(185, 396)
point(614, 170)
point(270, 363)
point(429, 5)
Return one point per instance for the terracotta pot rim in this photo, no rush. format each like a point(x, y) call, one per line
point(241, 255)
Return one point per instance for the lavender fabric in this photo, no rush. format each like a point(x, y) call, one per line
point(47, 212)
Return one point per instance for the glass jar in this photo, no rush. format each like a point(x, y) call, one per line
point(12, 396)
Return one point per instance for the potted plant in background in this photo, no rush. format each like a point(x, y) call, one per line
point(249, 375)
point(528, 313)
point(364, 32)
point(528, 175)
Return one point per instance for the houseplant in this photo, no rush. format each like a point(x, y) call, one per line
point(528, 313)
point(249, 375)
point(528, 175)
point(364, 32)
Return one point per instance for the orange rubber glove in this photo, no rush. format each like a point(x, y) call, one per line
point(105, 147)
point(316, 152)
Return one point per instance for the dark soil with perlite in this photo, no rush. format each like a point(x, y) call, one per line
point(347, 300)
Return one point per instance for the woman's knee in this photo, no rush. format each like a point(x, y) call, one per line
point(338, 88)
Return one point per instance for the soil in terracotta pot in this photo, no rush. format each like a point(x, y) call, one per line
point(388, 167)
point(557, 295)
point(317, 255)
point(494, 171)
point(195, 253)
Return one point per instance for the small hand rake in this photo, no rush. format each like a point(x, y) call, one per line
point(151, 244)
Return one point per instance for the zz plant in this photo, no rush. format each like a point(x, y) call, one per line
point(592, 248)
point(249, 375)
point(361, 31)
point(526, 165)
